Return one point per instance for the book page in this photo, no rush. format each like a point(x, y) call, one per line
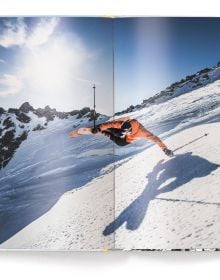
point(56, 179)
point(167, 81)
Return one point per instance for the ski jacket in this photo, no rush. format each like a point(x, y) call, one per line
point(138, 132)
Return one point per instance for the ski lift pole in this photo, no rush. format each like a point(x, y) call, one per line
point(94, 112)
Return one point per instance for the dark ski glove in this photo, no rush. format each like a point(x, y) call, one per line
point(168, 152)
point(106, 133)
point(95, 130)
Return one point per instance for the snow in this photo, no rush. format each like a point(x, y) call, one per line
point(35, 120)
point(174, 203)
point(161, 203)
point(74, 223)
point(198, 106)
point(20, 127)
point(198, 80)
point(58, 193)
point(47, 165)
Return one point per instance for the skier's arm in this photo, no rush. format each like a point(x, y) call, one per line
point(111, 124)
point(150, 136)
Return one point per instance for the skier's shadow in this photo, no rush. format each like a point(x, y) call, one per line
point(166, 176)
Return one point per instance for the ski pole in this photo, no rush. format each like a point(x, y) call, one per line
point(190, 142)
point(94, 112)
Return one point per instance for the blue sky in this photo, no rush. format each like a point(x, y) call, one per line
point(55, 61)
point(151, 53)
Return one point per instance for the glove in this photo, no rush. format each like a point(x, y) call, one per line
point(95, 130)
point(168, 152)
point(106, 133)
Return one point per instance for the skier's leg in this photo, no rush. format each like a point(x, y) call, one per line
point(119, 141)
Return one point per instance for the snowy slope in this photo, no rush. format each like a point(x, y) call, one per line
point(45, 166)
point(193, 108)
point(161, 203)
point(15, 125)
point(74, 223)
point(51, 173)
point(164, 203)
point(185, 85)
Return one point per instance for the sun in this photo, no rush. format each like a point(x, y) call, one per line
point(49, 70)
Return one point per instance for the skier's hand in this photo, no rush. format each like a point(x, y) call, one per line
point(74, 134)
point(106, 133)
point(95, 130)
point(168, 152)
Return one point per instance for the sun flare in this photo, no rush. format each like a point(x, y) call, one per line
point(50, 70)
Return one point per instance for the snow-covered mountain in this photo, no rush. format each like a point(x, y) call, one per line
point(58, 193)
point(15, 125)
point(187, 84)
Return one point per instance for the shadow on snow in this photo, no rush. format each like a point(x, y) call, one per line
point(28, 191)
point(178, 171)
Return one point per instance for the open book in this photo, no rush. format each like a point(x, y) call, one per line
point(109, 133)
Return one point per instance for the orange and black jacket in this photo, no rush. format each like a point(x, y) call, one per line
point(137, 132)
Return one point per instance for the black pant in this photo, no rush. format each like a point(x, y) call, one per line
point(112, 134)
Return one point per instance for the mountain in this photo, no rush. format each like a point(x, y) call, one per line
point(160, 203)
point(185, 85)
point(15, 125)
point(58, 193)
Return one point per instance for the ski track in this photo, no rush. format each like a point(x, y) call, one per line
point(80, 195)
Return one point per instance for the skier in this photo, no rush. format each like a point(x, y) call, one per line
point(122, 132)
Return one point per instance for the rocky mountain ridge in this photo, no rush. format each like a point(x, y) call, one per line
point(191, 82)
point(15, 125)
